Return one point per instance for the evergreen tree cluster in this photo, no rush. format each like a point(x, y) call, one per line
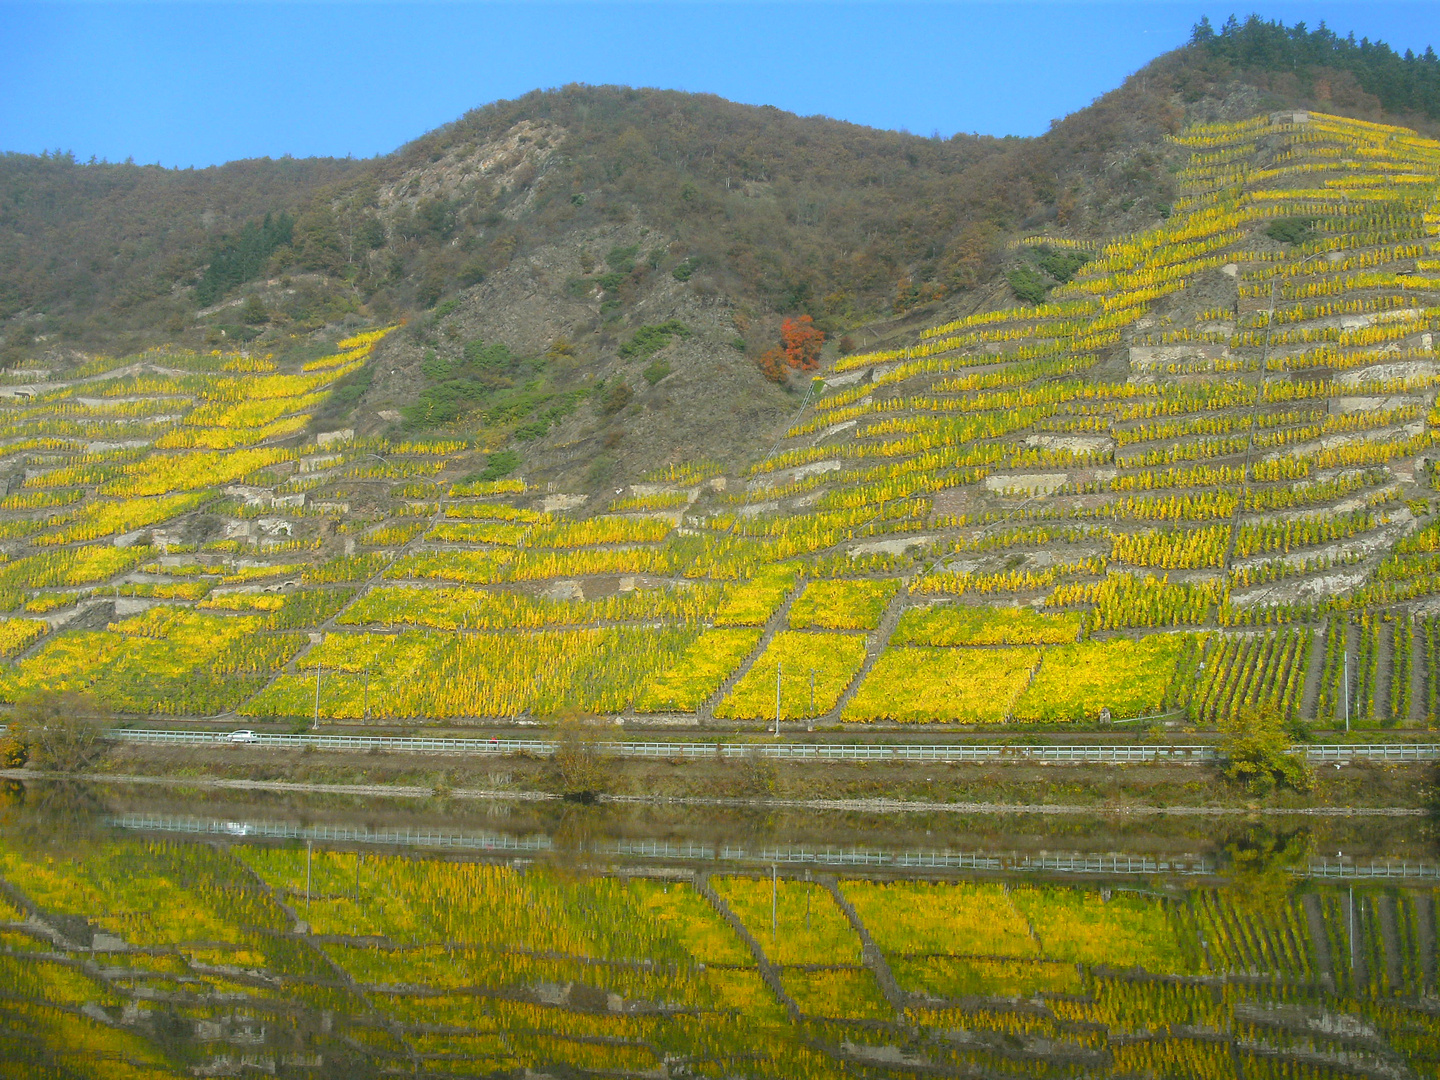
point(239, 259)
point(1407, 83)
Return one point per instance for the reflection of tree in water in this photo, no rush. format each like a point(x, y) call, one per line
point(576, 832)
point(12, 795)
point(57, 817)
point(1261, 864)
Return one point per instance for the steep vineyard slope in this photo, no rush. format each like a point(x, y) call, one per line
point(1196, 478)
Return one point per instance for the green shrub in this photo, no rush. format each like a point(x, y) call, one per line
point(499, 464)
point(497, 357)
point(622, 259)
point(430, 289)
point(580, 758)
point(1256, 751)
point(1062, 265)
point(1290, 230)
point(1028, 285)
point(657, 371)
point(601, 471)
point(434, 367)
point(651, 339)
point(254, 310)
point(343, 398)
point(490, 377)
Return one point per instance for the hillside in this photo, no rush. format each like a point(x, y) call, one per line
point(105, 256)
point(785, 213)
point(562, 224)
point(1191, 480)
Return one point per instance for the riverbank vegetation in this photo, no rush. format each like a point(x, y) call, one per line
point(586, 768)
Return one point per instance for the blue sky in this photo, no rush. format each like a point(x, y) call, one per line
point(202, 83)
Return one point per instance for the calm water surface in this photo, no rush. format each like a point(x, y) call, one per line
point(156, 939)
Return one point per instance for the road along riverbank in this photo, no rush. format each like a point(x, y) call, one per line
point(878, 751)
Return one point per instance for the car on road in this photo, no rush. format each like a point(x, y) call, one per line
point(243, 736)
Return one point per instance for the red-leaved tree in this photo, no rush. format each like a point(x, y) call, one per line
point(799, 348)
point(802, 343)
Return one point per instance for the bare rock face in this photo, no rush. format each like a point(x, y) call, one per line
point(697, 398)
point(514, 161)
point(1026, 483)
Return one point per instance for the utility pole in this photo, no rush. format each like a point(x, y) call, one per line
point(812, 691)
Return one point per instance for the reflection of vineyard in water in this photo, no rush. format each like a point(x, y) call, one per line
point(156, 958)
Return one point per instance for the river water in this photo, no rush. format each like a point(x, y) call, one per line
point(156, 936)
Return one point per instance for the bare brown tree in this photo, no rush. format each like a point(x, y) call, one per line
point(64, 731)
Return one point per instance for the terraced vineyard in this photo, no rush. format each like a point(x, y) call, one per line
point(431, 966)
point(1198, 479)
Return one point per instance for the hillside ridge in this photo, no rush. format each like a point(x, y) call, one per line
point(779, 213)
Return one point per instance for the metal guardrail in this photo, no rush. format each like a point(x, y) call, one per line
point(1107, 865)
point(1370, 751)
point(1110, 754)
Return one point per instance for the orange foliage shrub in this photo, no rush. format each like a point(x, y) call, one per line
point(799, 348)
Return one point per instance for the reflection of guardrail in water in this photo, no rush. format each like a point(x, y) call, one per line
point(1110, 754)
point(409, 836)
point(773, 855)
